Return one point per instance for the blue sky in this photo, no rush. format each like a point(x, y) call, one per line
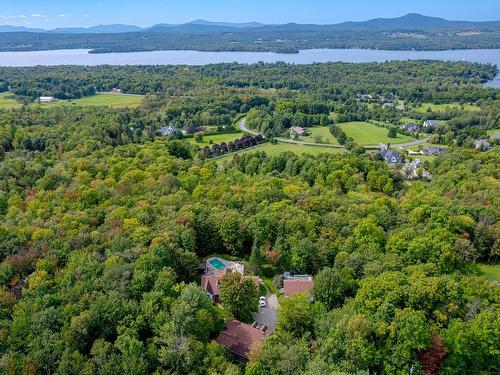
point(61, 13)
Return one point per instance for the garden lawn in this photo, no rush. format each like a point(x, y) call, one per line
point(491, 271)
point(365, 134)
point(217, 138)
point(323, 132)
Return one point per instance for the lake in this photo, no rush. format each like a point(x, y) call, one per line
point(82, 57)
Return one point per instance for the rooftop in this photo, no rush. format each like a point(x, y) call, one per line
point(297, 284)
point(239, 338)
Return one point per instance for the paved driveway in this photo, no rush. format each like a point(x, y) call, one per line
point(268, 315)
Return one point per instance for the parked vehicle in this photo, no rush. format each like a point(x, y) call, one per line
point(262, 301)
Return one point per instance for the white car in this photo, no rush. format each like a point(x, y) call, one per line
point(262, 301)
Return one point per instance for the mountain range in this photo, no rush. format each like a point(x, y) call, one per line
point(410, 21)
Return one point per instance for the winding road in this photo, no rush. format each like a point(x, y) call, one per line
point(243, 126)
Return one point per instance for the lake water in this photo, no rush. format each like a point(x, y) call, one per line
point(82, 57)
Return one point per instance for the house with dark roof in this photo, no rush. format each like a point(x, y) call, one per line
point(389, 155)
point(410, 128)
point(240, 338)
point(433, 150)
point(297, 284)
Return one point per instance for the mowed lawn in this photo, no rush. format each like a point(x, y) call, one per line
point(491, 271)
point(323, 132)
point(6, 102)
point(444, 107)
point(279, 148)
point(218, 138)
point(365, 134)
point(110, 100)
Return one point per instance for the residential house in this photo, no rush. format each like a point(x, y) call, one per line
point(410, 128)
point(167, 130)
point(115, 90)
point(215, 270)
point(46, 99)
point(240, 338)
point(414, 170)
point(430, 124)
point(297, 284)
point(211, 284)
point(482, 145)
point(365, 98)
point(388, 105)
point(433, 150)
point(389, 155)
point(298, 130)
point(495, 136)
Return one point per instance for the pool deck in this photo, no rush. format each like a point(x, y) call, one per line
point(217, 265)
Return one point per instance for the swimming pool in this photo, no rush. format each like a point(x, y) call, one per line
point(218, 264)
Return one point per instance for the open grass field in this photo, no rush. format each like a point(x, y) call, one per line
point(6, 102)
point(491, 271)
point(110, 100)
point(444, 107)
point(323, 132)
point(277, 149)
point(218, 138)
point(365, 134)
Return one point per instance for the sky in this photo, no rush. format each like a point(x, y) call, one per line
point(64, 13)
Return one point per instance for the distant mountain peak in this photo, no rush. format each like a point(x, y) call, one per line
point(410, 21)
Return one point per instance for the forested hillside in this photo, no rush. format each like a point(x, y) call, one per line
point(404, 33)
point(103, 224)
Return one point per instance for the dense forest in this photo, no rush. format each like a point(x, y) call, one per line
point(282, 39)
point(103, 224)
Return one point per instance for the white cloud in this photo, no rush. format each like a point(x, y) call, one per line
point(37, 15)
point(21, 16)
point(63, 15)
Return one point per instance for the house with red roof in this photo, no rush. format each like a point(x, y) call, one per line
point(297, 284)
point(211, 280)
point(239, 338)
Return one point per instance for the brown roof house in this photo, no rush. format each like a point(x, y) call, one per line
point(297, 284)
point(239, 338)
point(215, 270)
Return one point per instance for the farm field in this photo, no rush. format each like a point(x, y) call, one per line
point(443, 107)
point(110, 100)
point(365, 134)
point(323, 132)
point(6, 102)
point(218, 138)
